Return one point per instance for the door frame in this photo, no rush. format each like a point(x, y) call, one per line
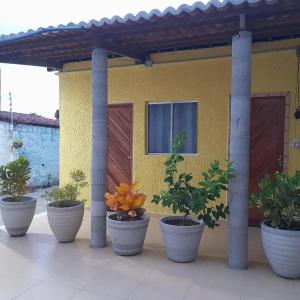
point(287, 97)
point(120, 105)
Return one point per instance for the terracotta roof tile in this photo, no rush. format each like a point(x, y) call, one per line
point(28, 119)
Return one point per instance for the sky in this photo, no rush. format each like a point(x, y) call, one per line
point(33, 89)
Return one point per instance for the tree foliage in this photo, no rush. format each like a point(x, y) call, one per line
point(279, 200)
point(184, 198)
point(14, 178)
point(61, 197)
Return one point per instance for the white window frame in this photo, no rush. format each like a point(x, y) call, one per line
point(171, 131)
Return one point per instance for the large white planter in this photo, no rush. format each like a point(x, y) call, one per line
point(181, 242)
point(65, 221)
point(282, 248)
point(127, 236)
point(17, 216)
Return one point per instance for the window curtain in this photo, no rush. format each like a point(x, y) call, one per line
point(185, 119)
point(159, 128)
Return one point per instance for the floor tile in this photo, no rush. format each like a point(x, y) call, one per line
point(197, 291)
point(85, 295)
point(116, 281)
point(215, 278)
point(260, 281)
point(78, 275)
point(13, 285)
point(48, 291)
point(158, 289)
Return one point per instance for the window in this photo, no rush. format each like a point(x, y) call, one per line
point(165, 120)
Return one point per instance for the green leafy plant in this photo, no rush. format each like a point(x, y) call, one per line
point(279, 200)
point(14, 178)
point(68, 194)
point(184, 198)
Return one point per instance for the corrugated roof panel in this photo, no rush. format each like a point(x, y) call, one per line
point(142, 15)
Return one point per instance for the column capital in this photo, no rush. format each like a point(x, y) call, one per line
point(242, 34)
point(99, 51)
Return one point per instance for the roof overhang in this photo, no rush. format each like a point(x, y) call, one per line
point(137, 37)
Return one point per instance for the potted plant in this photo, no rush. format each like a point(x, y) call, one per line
point(279, 201)
point(17, 210)
point(17, 144)
point(64, 210)
point(182, 234)
point(127, 227)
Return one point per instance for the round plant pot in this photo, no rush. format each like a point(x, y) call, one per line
point(65, 221)
point(181, 242)
point(282, 250)
point(17, 215)
point(127, 236)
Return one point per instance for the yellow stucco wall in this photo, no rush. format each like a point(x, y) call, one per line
point(207, 81)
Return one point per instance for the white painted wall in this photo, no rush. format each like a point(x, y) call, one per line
point(6, 154)
point(40, 146)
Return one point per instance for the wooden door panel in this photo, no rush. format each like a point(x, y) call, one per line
point(119, 161)
point(266, 143)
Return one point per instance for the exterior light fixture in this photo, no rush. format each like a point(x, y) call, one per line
point(148, 62)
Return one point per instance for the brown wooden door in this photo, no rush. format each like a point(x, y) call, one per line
point(119, 165)
point(266, 143)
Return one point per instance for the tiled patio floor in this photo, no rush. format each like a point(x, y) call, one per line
point(36, 267)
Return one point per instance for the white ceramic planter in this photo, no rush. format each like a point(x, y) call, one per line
point(282, 248)
point(17, 216)
point(65, 221)
point(181, 242)
point(127, 236)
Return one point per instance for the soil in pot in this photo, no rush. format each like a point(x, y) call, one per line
point(181, 242)
point(115, 217)
point(127, 236)
point(17, 215)
point(65, 221)
point(180, 222)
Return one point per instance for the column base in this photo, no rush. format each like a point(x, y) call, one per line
point(98, 232)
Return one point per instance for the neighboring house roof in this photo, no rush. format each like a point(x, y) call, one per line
point(28, 119)
point(137, 36)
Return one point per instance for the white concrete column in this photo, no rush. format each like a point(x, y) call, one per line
point(239, 149)
point(99, 148)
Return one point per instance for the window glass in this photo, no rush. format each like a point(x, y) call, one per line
point(165, 120)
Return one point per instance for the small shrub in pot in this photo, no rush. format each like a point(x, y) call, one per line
point(17, 144)
point(279, 201)
point(128, 225)
point(194, 203)
point(17, 210)
point(64, 209)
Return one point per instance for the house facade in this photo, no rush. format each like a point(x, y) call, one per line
point(40, 144)
point(226, 72)
point(199, 76)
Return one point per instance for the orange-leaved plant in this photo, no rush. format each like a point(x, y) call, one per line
point(127, 201)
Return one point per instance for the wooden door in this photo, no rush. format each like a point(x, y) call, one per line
point(119, 164)
point(266, 143)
